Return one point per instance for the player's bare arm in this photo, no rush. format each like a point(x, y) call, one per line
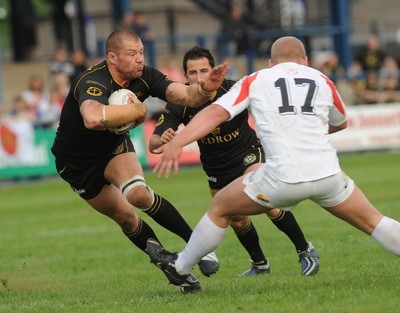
point(97, 116)
point(202, 124)
point(157, 141)
point(334, 129)
point(195, 95)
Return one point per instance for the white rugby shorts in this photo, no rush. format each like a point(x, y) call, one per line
point(268, 191)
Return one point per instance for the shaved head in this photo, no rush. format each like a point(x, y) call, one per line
point(288, 49)
point(115, 42)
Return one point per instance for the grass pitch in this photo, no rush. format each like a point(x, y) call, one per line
point(59, 255)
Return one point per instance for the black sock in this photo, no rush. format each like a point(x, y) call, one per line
point(141, 234)
point(165, 214)
point(287, 223)
point(249, 239)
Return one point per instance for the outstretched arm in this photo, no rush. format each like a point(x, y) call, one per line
point(195, 95)
point(202, 124)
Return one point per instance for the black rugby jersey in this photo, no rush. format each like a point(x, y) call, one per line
point(81, 146)
point(225, 144)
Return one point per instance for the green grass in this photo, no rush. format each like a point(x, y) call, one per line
point(59, 255)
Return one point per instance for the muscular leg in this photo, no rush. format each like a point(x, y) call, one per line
point(247, 235)
point(113, 204)
point(141, 196)
point(166, 215)
point(359, 212)
point(211, 229)
point(286, 222)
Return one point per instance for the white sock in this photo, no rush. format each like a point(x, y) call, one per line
point(387, 233)
point(206, 237)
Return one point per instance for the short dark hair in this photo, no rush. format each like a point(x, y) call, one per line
point(196, 53)
point(115, 40)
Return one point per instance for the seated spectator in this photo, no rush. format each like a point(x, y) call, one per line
point(370, 73)
point(60, 63)
point(330, 66)
point(78, 59)
point(379, 89)
point(20, 109)
point(60, 89)
point(38, 100)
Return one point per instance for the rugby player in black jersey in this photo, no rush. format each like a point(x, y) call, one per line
point(102, 167)
point(231, 150)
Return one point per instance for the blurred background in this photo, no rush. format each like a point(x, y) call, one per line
point(32, 30)
point(45, 44)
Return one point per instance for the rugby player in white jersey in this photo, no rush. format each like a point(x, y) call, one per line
point(295, 108)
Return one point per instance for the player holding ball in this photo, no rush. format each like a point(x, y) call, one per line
point(101, 166)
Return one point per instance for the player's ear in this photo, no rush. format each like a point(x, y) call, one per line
point(111, 57)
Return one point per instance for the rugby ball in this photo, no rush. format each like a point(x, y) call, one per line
point(120, 97)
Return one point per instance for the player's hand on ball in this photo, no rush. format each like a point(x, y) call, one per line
point(122, 97)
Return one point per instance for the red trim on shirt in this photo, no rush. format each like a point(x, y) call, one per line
point(336, 98)
point(244, 91)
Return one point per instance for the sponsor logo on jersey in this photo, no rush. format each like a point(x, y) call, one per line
point(120, 148)
point(262, 197)
point(94, 91)
point(160, 120)
point(79, 191)
point(138, 94)
point(93, 82)
point(212, 179)
point(217, 138)
point(249, 159)
point(216, 131)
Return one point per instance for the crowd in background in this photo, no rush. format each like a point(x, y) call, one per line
point(373, 77)
point(41, 105)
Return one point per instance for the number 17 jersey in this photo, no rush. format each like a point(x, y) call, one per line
point(293, 106)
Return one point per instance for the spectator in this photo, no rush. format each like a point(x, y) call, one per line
point(62, 25)
point(23, 26)
point(60, 63)
point(372, 57)
point(38, 100)
point(328, 63)
point(140, 27)
point(234, 36)
point(79, 62)
point(369, 72)
point(378, 89)
point(60, 89)
point(20, 109)
point(136, 22)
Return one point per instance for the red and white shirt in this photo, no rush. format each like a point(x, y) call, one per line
point(292, 106)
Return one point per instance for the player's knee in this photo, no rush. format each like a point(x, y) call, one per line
point(137, 192)
point(238, 223)
point(273, 213)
